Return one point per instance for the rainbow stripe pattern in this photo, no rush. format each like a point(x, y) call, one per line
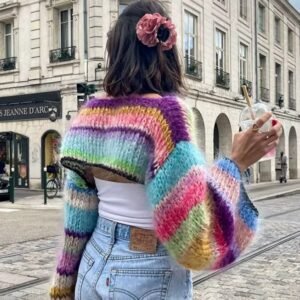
point(202, 215)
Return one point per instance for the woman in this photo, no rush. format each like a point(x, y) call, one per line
point(161, 211)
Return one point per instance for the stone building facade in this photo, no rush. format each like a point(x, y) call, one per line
point(49, 46)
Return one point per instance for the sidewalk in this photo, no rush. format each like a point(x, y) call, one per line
point(35, 202)
point(257, 192)
point(269, 190)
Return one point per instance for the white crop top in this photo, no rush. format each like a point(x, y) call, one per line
point(124, 203)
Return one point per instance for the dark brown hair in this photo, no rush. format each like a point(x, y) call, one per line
point(134, 68)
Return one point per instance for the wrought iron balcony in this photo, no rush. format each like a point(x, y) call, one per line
point(193, 67)
point(279, 100)
point(264, 94)
point(292, 103)
point(7, 64)
point(248, 84)
point(222, 79)
point(62, 54)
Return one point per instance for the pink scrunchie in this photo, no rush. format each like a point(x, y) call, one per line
point(147, 29)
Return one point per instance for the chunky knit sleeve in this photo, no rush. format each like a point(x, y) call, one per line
point(80, 217)
point(202, 215)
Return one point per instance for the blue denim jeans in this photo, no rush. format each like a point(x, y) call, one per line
point(110, 270)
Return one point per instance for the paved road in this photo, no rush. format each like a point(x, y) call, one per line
point(272, 274)
point(25, 258)
point(270, 189)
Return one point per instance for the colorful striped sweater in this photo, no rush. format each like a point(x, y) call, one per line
point(202, 215)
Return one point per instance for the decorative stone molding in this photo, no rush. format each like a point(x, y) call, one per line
point(59, 3)
point(9, 10)
point(9, 4)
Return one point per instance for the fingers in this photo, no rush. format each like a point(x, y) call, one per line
point(269, 140)
point(275, 131)
point(271, 146)
point(263, 119)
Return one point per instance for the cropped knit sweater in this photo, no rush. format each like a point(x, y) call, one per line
point(202, 215)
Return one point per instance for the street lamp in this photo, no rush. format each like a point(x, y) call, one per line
point(68, 116)
point(53, 114)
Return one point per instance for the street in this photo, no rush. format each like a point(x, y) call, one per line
point(270, 269)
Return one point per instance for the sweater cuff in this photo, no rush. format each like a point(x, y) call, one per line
point(229, 166)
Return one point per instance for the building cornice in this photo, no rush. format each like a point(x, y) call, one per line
point(9, 5)
point(288, 7)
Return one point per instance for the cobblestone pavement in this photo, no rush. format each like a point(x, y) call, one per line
point(274, 274)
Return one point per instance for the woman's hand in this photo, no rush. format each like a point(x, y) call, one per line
point(249, 146)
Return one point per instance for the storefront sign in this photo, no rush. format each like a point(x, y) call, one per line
point(28, 107)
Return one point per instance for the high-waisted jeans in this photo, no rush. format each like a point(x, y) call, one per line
point(110, 270)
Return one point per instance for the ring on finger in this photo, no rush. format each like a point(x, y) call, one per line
point(255, 128)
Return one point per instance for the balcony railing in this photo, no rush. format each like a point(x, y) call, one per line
point(7, 64)
point(248, 84)
point(279, 100)
point(264, 94)
point(222, 79)
point(193, 67)
point(62, 54)
point(292, 103)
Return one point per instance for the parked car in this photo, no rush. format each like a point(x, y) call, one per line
point(4, 188)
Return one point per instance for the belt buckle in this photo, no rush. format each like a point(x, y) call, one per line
point(142, 240)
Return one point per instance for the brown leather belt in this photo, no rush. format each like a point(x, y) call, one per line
point(143, 240)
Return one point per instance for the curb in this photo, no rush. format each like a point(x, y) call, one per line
point(273, 196)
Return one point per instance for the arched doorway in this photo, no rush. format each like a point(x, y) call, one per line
point(280, 148)
point(222, 136)
point(200, 129)
point(292, 157)
point(14, 150)
point(51, 141)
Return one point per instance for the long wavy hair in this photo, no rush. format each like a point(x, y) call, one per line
point(134, 68)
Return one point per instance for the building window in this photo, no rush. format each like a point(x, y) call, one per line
point(190, 35)
point(222, 77)
point(290, 40)
point(244, 68)
point(277, 30)
point(192, 66)
point(243, 61)
point(278, 95)
point(292, 100)
point(264, 93)
point(220, 50)
point(122, 6)
point(8, 33)
point(66, 46)
point(261, 18)
point(7, 59)
point(243, 9)
point(66, 28)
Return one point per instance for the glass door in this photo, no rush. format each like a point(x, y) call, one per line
point(21, 161)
